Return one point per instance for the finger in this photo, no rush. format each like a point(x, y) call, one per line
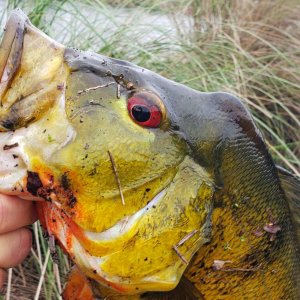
point(14, 247)
point(15, 213)
point(3, 276)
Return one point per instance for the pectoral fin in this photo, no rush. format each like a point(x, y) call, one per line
point(77, 287)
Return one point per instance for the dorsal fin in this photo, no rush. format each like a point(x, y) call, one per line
point(291, 186)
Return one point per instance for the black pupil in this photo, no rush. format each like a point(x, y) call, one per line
point(141, 113)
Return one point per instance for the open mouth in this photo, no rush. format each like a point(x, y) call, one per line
point(11, 48)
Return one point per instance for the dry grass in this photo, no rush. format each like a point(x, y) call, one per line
point(252, 49)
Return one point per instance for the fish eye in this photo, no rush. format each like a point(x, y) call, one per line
point(146, 109)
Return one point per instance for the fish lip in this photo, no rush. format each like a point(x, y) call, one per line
point(11, 48)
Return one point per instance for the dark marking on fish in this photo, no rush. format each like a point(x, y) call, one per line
point(8, 124)
point(45, 193)
point(65, 182)
point(72, 201)
point(8, 147)
point(34, 183)
point(93, 172)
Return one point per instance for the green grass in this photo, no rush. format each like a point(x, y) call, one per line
point(251, 49)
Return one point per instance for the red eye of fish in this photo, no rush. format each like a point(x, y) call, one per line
point(144, 109)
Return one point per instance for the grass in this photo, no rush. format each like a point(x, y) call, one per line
point(249, 48)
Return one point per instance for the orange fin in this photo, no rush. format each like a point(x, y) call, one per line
point(77, 287)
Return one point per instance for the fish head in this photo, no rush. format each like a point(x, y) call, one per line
point(121, 160)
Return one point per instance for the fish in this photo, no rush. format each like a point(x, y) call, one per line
point(153, 189)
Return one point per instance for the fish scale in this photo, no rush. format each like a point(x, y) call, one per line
point(280, 267)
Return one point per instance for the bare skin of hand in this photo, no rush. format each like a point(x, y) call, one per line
point(15, 239)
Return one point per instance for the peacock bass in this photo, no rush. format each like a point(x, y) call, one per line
point(155, 190)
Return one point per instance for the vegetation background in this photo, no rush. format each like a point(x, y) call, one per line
point(247, 47)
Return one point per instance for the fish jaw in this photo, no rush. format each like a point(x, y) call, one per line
point(32, 96)
point(24, 151)
point(32, 73)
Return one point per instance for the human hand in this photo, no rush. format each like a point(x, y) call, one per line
point(15, 239)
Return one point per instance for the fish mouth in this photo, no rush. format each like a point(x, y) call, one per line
point(31, 70)
point(11, 48)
